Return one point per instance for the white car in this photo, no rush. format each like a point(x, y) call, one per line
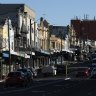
point(49, 70)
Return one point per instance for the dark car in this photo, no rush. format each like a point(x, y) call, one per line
point(83, 72)
point(15, 78)
point(27, 73)
point(92, 67)
point(93, 74)
point(61, 69)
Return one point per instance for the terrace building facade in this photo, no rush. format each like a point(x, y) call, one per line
point(30, 38)
point(22, 20)
point(83, 35)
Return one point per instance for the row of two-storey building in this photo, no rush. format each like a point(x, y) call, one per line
point(24, 42)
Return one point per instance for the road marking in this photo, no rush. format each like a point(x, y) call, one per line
point(67, 78)
point(24, 89)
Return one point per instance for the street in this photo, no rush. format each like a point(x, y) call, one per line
point(53, 87)
point(41, 54)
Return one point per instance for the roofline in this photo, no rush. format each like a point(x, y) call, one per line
point(18, 4)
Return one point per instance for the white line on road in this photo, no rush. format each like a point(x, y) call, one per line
point(67, 78)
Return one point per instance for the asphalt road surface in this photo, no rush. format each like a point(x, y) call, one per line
point(54, 87)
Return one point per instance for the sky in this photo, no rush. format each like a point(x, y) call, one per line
point(59, 12)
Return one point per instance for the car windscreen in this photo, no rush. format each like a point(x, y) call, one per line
point(14, 74)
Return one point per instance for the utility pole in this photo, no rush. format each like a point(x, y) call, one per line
point(9, 46)
point(1, 59)
point(68, 55)
point(34, 40)
point(34, 34)
point(61, 48)
point(31, 43)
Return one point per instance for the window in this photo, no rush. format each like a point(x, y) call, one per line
point(28, 28)
point(12, 46)
point(36, 44)
point(32, 30)
point(28, 42)
point(35, 32)
point(53, 45)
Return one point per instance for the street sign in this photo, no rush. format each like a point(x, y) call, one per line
point(6, 55)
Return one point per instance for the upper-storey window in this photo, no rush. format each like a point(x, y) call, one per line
point(53, 45)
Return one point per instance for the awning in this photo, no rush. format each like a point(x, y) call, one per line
point(22, 54)
point(42, 53)
point(67, 50)
point(33, 53)
point(45, 52)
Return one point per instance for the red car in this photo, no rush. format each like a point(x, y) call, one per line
point(15, 78)
point(83, 72)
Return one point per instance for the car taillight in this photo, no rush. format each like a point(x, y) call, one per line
point(86, 72)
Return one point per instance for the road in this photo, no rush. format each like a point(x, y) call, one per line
point(54, 87)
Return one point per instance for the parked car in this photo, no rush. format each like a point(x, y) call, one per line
point(34, 71)
point(27, 73)
point(49, 70)
point(83, 72)
point(93, 73)
point(94, 61)
point(61, 69)
point(15, 78)
point(92, 67)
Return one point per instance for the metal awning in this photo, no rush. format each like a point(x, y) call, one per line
point(45, 52)
point(28, 52)
point(67, 50)
point(22, 54)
